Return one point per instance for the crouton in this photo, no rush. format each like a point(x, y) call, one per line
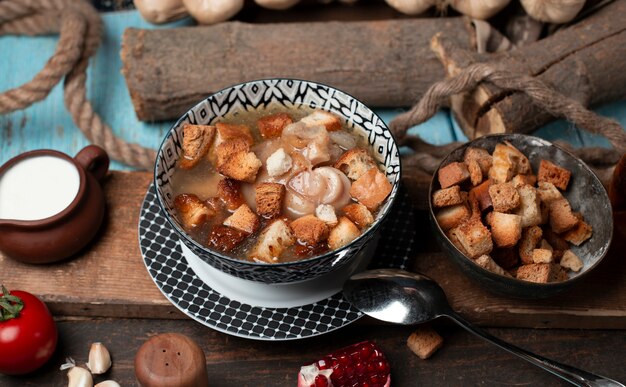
point(561, 216)
point(326, 212)
point(453, 174)
point(323, 118)
point(487, 263)
point(544, 210)
point(192, 211)
point(480, 156)
point(228, 148)
point(309, 230)
point(541, 273)
point(506, 229)
point(371, 189)
point(542, 256)
point(504, 197)
point(519, 180)
point(424, 342)
point(355, 162)
point(552, 173)
point(272, 241)
point(571, 261)
point(272, 126)
point(197, 140)
point(243, 219)
point(269, 199)
point(545, 245)
point(531, 236)
point(506, 258)
point(548, 192)
point(507, 162)
point(343, 233)
point(359, 215)
point(559, 245)
point(229, 191)
point(481, 193)
point(224, 238)
point(529, 208)
point(579, 233)
point(278, 163)
point(451, 217)
point(242, 166)
point(476, 174)
point(474, 237)
point(227, 132)
point(449, 196)
point(452, 234)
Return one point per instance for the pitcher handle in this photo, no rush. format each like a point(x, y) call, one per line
point(94, 160)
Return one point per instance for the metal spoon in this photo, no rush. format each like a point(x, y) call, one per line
point(406, 298)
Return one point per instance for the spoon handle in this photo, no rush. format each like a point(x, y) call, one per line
point(573, 375)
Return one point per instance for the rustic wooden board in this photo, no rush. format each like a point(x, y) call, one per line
point(110, 279)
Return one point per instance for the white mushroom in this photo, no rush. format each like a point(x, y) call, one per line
point(553, 11)
point(161, 11)
point(213, 11)
point(412, 7)
point(479, 9)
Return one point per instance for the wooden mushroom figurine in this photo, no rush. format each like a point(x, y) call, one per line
point(411, 7)
point(553, 11)
point(161, 11)
point(213, 11)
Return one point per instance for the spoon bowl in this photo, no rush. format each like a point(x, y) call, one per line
point(402, 297)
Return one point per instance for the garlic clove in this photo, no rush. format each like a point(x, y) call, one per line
point(77, 376)
point(213, 11)
point(108, 383)
point(411, 7)
point(553, 11)
point(161, 11)
point(479, 9)
point(99, 359)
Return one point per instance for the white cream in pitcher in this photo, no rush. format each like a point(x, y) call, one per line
point(37, 188)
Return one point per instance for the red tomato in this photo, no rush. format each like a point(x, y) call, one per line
point(28, 340)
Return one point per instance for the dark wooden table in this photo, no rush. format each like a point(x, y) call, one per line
point(105, 294)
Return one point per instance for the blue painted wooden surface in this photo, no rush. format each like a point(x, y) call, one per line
point(47, 124)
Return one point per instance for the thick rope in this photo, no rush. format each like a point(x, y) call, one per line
point(542, 95)
point(80, 29)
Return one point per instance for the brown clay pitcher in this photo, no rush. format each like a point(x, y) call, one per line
point(51, 205)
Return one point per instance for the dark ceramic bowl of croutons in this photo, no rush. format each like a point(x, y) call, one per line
point(520, 215)
point(277, 180)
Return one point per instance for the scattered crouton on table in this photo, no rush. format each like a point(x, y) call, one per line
point(424, 342)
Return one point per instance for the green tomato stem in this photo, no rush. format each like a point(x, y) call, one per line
point(10, 305)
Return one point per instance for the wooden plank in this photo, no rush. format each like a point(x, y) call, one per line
point(464, 360)
point(109, 278)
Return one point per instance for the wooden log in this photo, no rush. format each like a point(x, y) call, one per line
point(584, 62)
point(383, 63)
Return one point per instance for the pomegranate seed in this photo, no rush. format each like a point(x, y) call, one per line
point(321, 381)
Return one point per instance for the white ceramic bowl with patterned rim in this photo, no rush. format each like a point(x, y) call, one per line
point(290, 93)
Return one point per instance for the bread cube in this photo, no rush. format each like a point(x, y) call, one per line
point(224, 238)
point(359, 215)
point(453, 174)
point(474, 237)
point(481, 193)
point(450, 217)
point(476, 174)
point(227, 132)
point(552, 173)
point(506, 229)
point(487, 263)
point(507, 258)
point(453, 236)
point(424, 342)
point(449, 196)
point(323, 118)
point(343, 233)
point(229, 191)
point(561, 216)
point(371, 189)
point(508, 161)
point(326, 213)
point(504, 197)
point(480, 156)
point(559, 245)
point(571, 261)
point(243, 219)
point(542, 256)
point(192, 211)
point(197, 140)
point(355, 162)
point(272, 241)
point(519, 180)
point(242, 166)
point(272, 126)
point(531, 237)
point(529, 208)
point(309, 230)
point(278, 163)
point(228, 148)
point(541, 273)
point(269, 199)
point(548, 192)
point(579, 233)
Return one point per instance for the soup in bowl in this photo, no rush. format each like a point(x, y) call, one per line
point(277, 180)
